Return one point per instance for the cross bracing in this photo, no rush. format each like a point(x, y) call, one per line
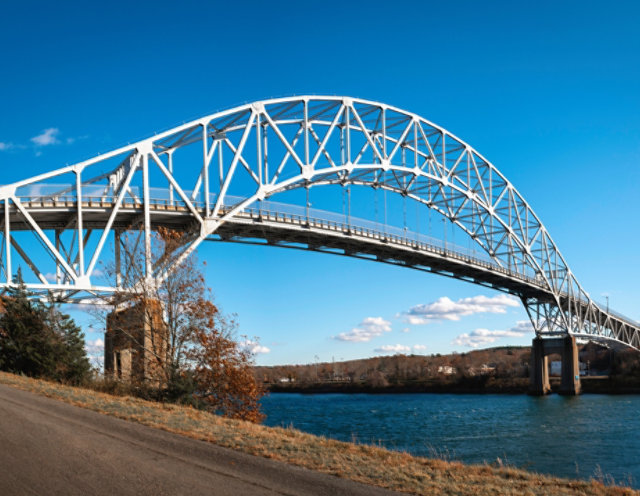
point(209, 177)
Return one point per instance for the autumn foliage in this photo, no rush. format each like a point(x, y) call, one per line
point(223, 371)
point(190, 349)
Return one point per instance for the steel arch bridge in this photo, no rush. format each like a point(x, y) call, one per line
point(215, 178)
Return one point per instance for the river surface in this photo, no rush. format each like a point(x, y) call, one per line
point(578, 437)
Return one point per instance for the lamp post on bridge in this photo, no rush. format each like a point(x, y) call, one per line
point(308, 204)
point(444, 229)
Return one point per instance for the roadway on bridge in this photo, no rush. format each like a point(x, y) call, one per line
point(50, 447)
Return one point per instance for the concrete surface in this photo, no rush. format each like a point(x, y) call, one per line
point(48, 447)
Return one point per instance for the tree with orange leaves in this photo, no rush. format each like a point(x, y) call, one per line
point(189, 346)
point(223, 370)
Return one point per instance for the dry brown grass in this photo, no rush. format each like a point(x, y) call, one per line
point(362, 463)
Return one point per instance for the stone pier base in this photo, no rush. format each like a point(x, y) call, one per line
point(539, 376)
point(539, 370)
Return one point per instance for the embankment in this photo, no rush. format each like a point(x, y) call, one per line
point(362, 463)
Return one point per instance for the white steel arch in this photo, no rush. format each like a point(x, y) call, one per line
point(207, 174)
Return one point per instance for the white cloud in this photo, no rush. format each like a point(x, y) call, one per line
point(405, 330)
point(399, 348)
point(446, 309)
point(254, 347)
point(369, 328)
point(5, 146)
point(47, 137)
point(523, 326)
point(480, 337)
point(99, 305)
point(94, 347)
point(95, 352)
point(393, 348)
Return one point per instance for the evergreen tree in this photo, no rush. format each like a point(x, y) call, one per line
point(72, 363)
point(25, 344)
point(38, 340)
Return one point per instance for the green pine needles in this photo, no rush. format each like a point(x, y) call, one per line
point(38, 340)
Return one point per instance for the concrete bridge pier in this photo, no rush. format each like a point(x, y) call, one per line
point(539, 369)
point(570, 382)
point(566, 347)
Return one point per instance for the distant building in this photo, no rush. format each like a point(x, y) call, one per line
point(446, 370)
point(135, 344)
point(483, 370)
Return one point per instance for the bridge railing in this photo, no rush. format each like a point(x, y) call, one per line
point(405, 238)
point(606, 309)
point(94, 195)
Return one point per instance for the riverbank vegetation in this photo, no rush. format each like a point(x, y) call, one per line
point(363, 463)
point(167, 341)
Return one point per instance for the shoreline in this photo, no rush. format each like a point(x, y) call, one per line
point(590, 385)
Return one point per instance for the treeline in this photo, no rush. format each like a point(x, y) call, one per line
point(404, 372)
point(501, 369)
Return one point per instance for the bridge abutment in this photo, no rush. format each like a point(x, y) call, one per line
point(566, 347)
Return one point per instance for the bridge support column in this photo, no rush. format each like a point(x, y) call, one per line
point(539, 369)
point(570, 382)
point(135, 341)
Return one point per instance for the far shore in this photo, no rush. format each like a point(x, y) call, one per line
point(590, 385)
point(499, 370)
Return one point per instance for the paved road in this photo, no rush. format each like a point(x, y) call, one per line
point(48, 447)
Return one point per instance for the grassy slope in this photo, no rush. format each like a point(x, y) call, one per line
point(363, 463)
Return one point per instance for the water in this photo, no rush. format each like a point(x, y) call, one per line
point(577, 437)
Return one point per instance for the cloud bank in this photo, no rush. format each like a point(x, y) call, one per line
point(446, 309)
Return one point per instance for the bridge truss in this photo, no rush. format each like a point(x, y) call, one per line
point(211, 179)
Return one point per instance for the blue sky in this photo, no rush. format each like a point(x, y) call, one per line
point(548, 91)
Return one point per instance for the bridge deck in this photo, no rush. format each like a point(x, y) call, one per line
point(284, 229)
point(295, 231)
